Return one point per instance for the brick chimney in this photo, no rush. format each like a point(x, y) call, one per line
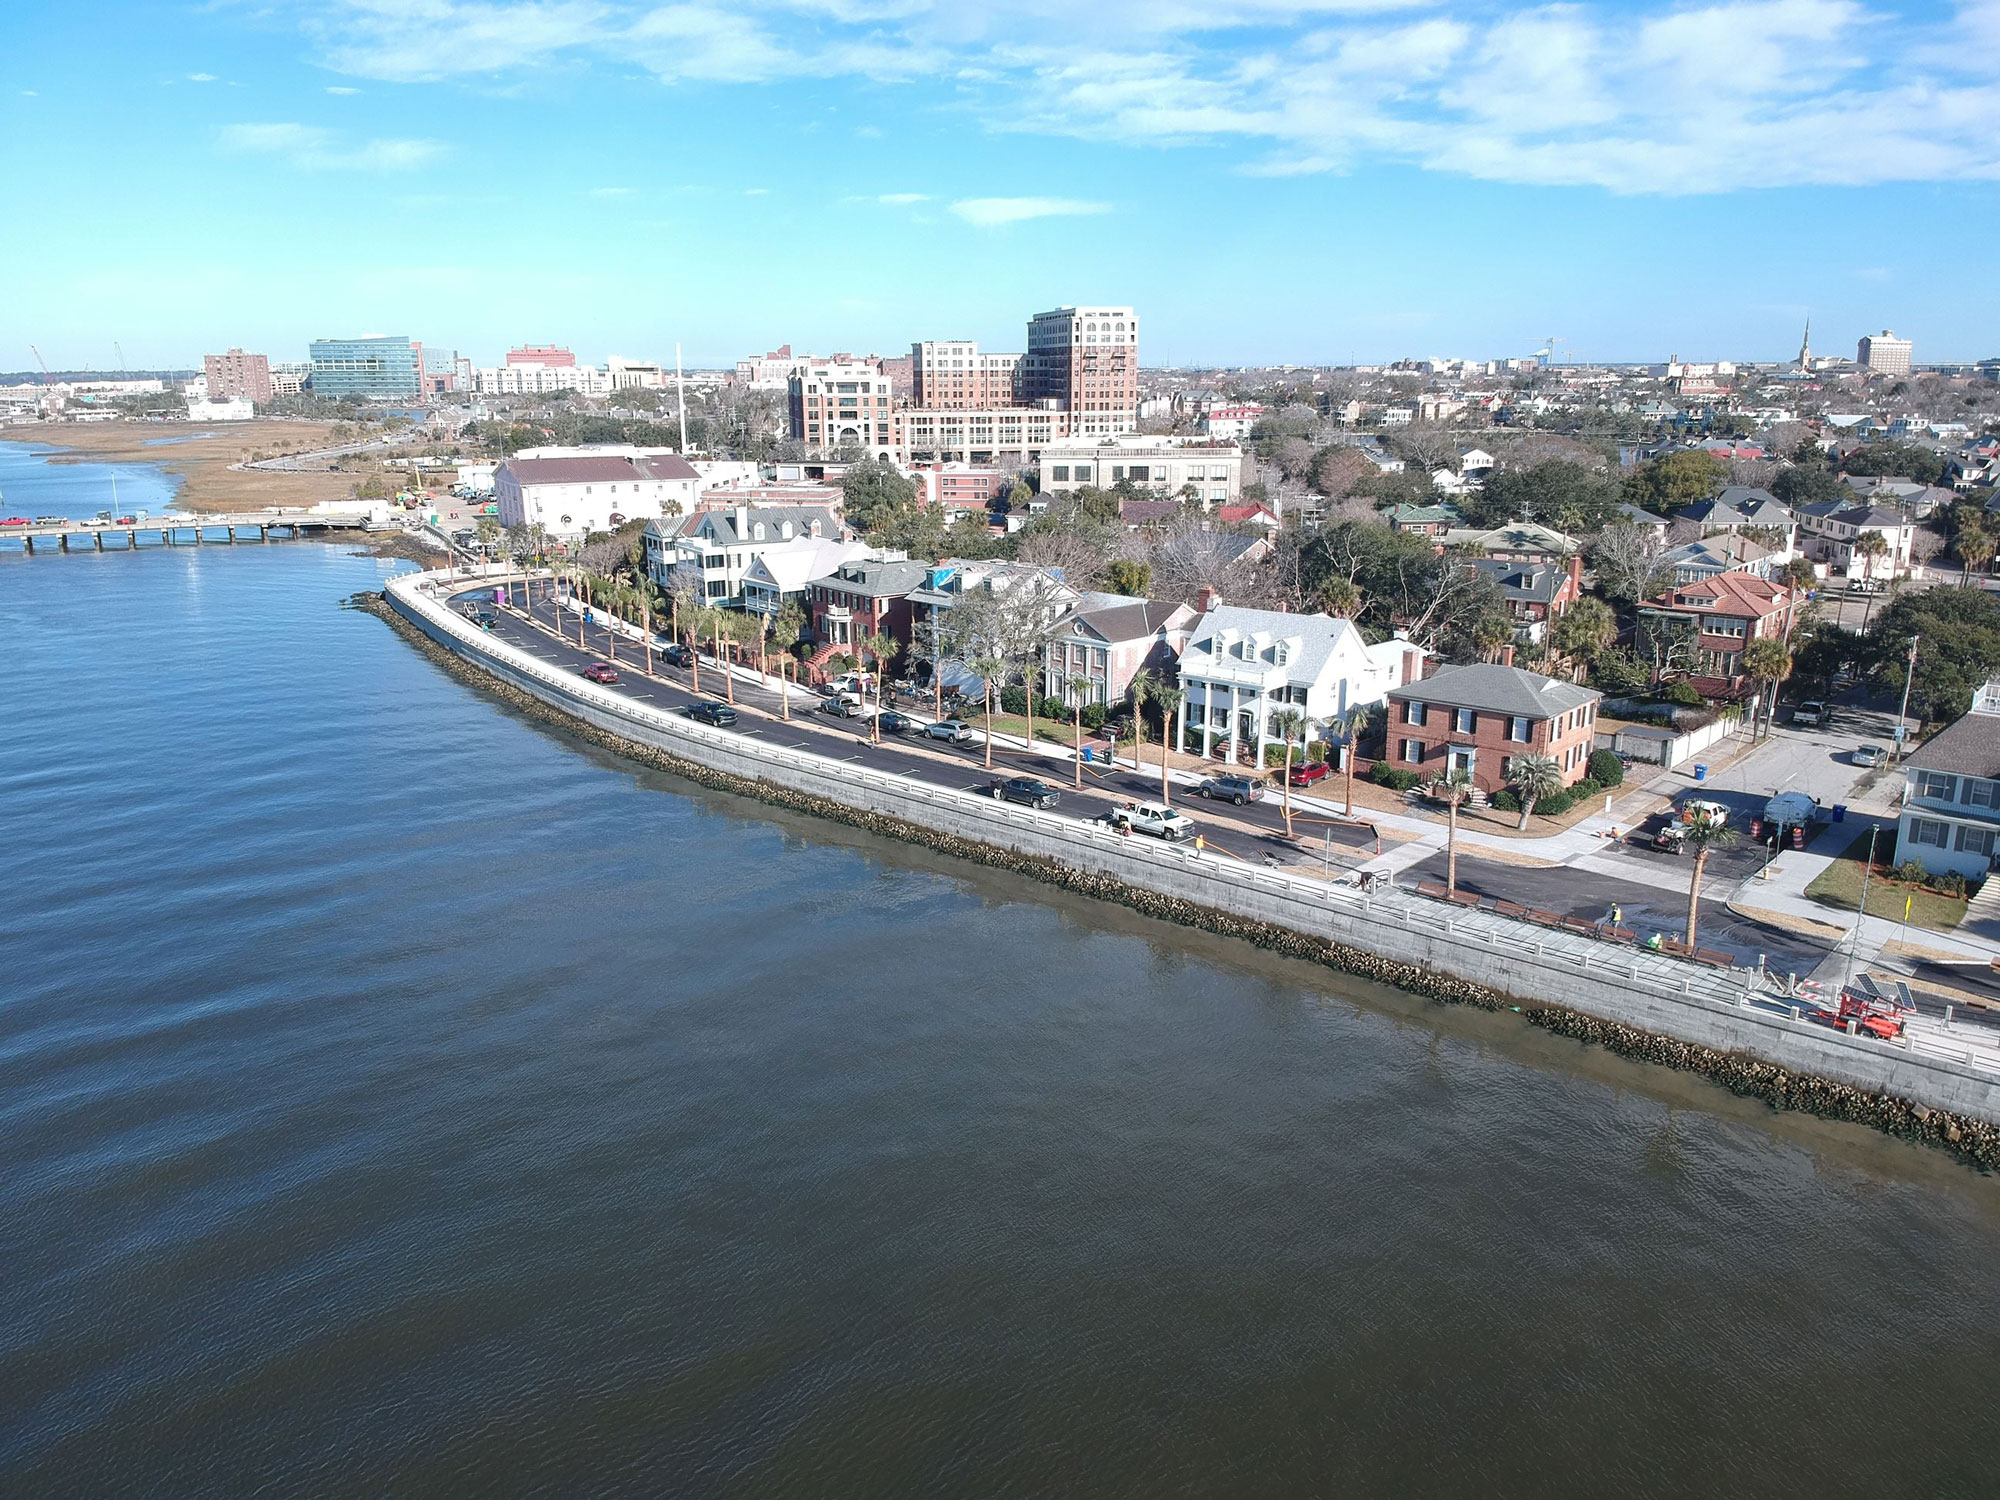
point(742, 523)
point(1576, 572)
point(1207, 599)
point(1507, 655)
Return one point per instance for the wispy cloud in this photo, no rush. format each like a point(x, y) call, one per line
point(341, 88)
point(201, 78)
point(312, 148)
point(30, 94)
point(756, 192)
point(1704, 96)
point(989, 213)
point(611, 192)
point(896, 200)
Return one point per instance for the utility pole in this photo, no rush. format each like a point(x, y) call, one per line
point(1902, 729)
point(1866, 871)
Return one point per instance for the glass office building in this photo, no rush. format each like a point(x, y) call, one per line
point(365, 367)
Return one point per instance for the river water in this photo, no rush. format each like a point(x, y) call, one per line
point(398, 1096)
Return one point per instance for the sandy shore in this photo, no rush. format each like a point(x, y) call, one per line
point(202, 461)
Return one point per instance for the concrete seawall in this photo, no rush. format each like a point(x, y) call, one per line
point(1638, 1003)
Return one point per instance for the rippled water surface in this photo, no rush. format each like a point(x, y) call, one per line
point(398, 1097)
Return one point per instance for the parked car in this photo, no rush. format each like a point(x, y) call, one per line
point(1237, 789)
point(1811, 712)
point(1307, 772)
point(677, 655)
point(16, 521)
point(842, 705)
point(1696, 807)
point(1870, 755)
point(721, 715)
point(895, 723)
point(601, 671)
point(484, 618)
point(1151, 817)
point(955, 731)
point(1026, 790)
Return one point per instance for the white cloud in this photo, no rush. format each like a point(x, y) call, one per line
point(342, 89)
point(310, 147)
point(990, 212)
point(894, 200)
point(1708, 95)
point(201, 78)
point(30, 94)
point(756, 192)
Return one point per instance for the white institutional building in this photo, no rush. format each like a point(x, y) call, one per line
point(571, 492)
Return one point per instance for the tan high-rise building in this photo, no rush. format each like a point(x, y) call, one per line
point(1088, 359)
point(237, 374)
point(1883, 354)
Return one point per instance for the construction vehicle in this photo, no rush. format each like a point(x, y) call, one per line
point(1870, 1009)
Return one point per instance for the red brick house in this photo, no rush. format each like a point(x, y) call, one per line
point(1534, 593)
point(862, 599)
point(1728, 611)
point(1479, 718)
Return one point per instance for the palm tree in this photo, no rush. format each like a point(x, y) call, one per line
point(1534, 777)
point(1028, 662)
point(1169, 699)
point(1286, 723)
point(697, 621)
point(988, 667)
point(1973, 544)
point(1451, 788)
point(1079, 688)
point(1341, 598)
point(1766, 661)
point(881, 647)
point(718, 622)
point(1351, 724)
point(1141, 688)
point(1702, 832)
point(646, 623)
point(1489, 634)
point(1869, 546)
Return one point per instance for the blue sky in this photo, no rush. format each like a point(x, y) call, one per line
point(1267, 180)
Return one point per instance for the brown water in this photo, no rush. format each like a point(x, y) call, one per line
point(398, 1097)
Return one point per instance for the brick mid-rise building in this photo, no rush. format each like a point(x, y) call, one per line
point(1087, 358)
point(1479, 719)
point(237, 376)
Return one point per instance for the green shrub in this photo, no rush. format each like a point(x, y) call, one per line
point(1053, 708)
point(1014, 700)
point(1384, 774)
point(1606, 769)
point(1093, 716)
point(1504, 801)
point(1683, 693)
point(1555, 804)
point(1949, 883)
point(1911, 870)
point(1587, 787)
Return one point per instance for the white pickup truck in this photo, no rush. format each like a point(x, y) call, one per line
point(1151, 817)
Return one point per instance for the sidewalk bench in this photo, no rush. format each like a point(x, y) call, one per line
point(1544, 918)
point(1713, 959)
point(1613, 934)
point(1431, 888)
point(1676, 947)
point(1580, 926)
point(1466, 898)
point(1510, 909)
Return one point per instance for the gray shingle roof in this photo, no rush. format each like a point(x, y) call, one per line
point(1534, 583)
point(1971, 747)
point(1498, 690)
point(1130, 621)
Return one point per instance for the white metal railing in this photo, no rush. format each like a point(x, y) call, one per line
point(1658, 977)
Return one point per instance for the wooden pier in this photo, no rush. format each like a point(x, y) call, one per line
point(183, 531)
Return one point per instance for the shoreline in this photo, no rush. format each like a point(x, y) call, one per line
point(201, 463)
point(1966, 1137)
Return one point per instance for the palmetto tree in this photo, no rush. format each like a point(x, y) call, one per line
point(1169, 699)
point(1534, 777)
point(1287, 724)
point(880, 647)
point(1869, 546)
point(988, 668)
point(1351, 724)
point(1766, 661)
point(1702, 832)
point(1079, 689)
point(1141, 688)
point(1451, 788)
point(1341, 598)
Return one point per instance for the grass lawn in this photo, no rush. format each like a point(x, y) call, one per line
point(1839, 885)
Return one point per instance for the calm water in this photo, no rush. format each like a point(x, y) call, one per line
point(31, 486)
point(396, 1096)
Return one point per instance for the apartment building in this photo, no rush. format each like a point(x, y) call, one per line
point(1883, 354)
point(1010, 436)
point(843, 405)
point(237, 376)
point(1087, 358)
point(550, 355)
point(955, 375)
point(1478, 719)
point(957, 488)
point(1198, 468)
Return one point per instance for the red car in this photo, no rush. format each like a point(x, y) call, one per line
point(15, 521)
point(601, 671)
point(128, 520)
point(1307, 772)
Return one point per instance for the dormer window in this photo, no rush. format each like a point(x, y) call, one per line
point(757, 532)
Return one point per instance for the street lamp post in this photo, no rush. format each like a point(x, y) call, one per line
point(1902, 713)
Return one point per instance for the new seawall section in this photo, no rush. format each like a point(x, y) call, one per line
point(1636, 1003)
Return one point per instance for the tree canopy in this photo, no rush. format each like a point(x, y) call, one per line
point(1958, 648)
point(1676, 479)
point(878, 497)
point(1557, 492)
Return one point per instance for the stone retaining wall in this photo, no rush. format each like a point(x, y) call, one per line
point(1401, 941)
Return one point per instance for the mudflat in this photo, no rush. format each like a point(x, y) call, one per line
point(201, 457)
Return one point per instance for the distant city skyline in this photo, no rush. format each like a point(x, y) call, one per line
point(1273, 181)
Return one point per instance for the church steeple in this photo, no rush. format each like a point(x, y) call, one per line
point(1805, 346)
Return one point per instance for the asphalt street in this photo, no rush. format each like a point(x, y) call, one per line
point(1253, 833)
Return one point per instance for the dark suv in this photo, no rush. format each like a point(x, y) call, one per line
point(677, 656)
point(721, 715)
point(1026, 790)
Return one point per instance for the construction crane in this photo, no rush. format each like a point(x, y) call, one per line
point(43, 363)
point(50, 403)
point(121, 357)
point(1546, 354)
